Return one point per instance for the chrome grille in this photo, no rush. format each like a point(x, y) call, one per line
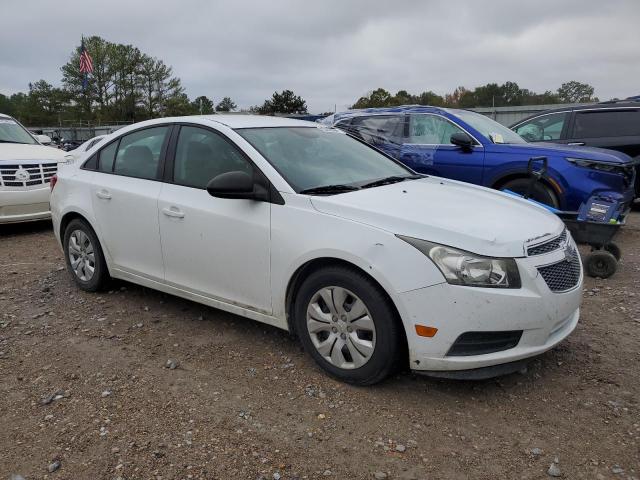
point(564, 275)
point(37, 173)
point(549, 246)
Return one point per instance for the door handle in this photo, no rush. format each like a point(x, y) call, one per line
point(173, 212)
point(103, 194)
point(580, 144)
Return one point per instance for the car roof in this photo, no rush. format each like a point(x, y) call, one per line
point(591, 106)
point(253, 121)
point(597, 106)
point(391, 110)
point(2, 115)
point(230, 121)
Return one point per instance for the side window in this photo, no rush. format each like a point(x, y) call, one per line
point(379, 128)
point(344, 125)
point(545, 127)
point(92, 163)
point(607, 123)
point(202, 155)
point(139, 153)
point(107, 156)
point(431, 130)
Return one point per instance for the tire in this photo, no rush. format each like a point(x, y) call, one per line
point(600, 264)
point(540, 192)
point(82, 252)
point(360, 356)
point(614, 250)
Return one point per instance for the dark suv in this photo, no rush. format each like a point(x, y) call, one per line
point(612, 125)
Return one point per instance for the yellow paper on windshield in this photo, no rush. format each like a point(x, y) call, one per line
point(497, 138)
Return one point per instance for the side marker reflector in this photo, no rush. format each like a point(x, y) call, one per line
point(424, 331)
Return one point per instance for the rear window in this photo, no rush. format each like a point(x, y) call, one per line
point(618, 123)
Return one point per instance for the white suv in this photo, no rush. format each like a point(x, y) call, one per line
point(303, 227)
point(26, 168)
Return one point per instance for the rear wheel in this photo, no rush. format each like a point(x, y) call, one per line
point(540, 192)
point(84, 257)
point(346, 323)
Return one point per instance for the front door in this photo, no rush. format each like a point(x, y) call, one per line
point(214, 246)
point(125, 193)
point(427, 149)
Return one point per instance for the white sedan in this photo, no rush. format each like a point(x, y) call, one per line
point(303, 227)
point(73, 155)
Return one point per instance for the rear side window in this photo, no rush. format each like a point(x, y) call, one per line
point(545, 127)
point(107, 156)
point(92, 163)
point(202, 155)
point(344, 124)
point(139, 153)
point(379, 128)
point(607, 123)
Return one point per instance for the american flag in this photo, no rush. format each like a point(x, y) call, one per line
point(86, 62)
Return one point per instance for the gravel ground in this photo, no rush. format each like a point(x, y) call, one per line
point(86, 392)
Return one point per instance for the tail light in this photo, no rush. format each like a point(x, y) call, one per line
point(53, 181)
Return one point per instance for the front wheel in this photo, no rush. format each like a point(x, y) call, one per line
point(540, 192)
point(346, 323)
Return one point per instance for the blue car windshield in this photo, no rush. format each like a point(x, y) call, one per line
point(491, 129)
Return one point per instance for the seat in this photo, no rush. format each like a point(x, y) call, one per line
point(199, 165)
point(137, 161)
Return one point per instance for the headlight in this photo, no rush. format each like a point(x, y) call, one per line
point(465, 268)
point(595, 164)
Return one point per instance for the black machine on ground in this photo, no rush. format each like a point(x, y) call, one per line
point(595, 225)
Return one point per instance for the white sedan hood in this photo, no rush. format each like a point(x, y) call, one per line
point(448, 212)
point(15, 151)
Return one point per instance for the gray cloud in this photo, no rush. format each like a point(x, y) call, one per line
point(332, 52)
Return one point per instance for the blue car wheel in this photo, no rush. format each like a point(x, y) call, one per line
point(540, 192)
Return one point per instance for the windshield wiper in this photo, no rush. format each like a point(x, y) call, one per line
point(329, 189)
point(13, 141)
point(390, 180)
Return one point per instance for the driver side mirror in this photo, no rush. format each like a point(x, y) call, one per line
point(237, 184)
point(462, 140)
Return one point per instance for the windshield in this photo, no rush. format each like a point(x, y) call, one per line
point(491, 129)
point(310, 157)
point(12, 132)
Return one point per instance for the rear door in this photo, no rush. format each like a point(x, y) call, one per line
point(427, 149)
point(125, 193)
point(617, 129)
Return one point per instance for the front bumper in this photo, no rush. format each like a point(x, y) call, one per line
point(544, 317)
point(25, 205)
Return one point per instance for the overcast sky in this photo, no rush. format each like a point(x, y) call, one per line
point(334, 51)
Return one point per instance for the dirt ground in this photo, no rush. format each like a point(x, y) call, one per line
point(83, 382)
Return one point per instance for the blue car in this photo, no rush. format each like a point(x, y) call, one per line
point(467, 146)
